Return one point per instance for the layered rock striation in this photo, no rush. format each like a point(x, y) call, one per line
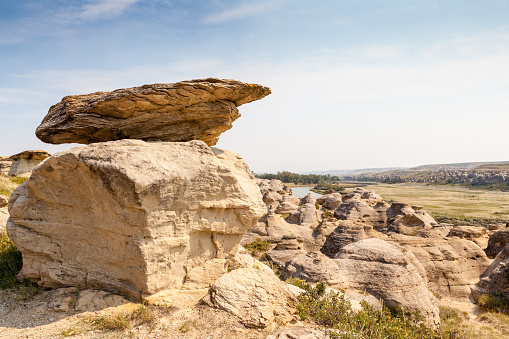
point(183, 111)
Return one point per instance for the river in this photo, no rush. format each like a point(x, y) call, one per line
point(301, 192)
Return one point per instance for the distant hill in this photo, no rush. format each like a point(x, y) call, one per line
point(355, 171)
point(485, 175)
point(458, 166)
point(481, 166)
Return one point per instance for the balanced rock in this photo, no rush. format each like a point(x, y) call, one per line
point(138, 217)
point(183, 111)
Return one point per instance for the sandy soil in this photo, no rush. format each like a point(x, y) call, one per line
point(22, 317)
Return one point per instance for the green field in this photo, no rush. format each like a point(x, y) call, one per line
point(447, 200)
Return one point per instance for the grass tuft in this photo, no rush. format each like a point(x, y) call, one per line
point(10, 262)
point(123, 320)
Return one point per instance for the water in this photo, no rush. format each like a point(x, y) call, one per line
point(301, 192)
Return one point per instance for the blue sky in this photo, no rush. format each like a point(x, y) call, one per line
point(355, 83)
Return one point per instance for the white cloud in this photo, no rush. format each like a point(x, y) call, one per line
point(242, 11)
point(104, 9)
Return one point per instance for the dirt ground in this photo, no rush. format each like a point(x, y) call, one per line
point(29, 317)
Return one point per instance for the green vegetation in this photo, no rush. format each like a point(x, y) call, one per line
point(10, 262)
point(327, 188)
point(496, 301)
point(300, 179)
point(9, 184)
point(448, 201)
point(465, 221)
point(257, 247)
point(334, 311)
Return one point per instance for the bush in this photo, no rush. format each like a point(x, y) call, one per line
point(10, 262)
point(334, 311)
point(496, 301)
point(257, 247)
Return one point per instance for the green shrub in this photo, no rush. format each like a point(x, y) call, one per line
point(334, 311)
point(497, 301)
point(257, 247)
point(18, 180)
point(328, 214)
point(10, 262)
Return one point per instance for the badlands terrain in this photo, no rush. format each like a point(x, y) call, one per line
point(148, 231)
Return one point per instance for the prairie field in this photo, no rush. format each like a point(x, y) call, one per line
point(447, 200)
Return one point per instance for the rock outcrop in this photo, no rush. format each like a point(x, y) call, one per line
point(133, 216)
point(452, 265)
point(183, 111)
point(347, 233)
point(23, 163)
point(386, 271)
point(407, 219)
point(496, 277)
point(5, 165)
point(477, 234)
point(389, 272)
point(257, 297)
point(497, 242)
point(363, 207)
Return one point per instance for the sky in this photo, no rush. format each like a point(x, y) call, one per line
point(355, 83)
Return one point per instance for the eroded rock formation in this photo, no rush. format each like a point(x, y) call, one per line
point(183, 111)
point(134, 216)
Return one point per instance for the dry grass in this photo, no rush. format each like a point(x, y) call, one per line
point(142, 315)
point(488, 325)
point(454, 201)
point(9, 184)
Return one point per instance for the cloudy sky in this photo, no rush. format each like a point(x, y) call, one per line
point(354, 83)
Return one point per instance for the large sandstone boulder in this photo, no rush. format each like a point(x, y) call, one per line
point(347, 233)
point(385, 271)
point(389, 272)
point(305, 215)
point(257, 297)
point(407, 219)
point(452, 265)
point(134, 216)
point(363, 207)
point(309, 266)
point(183, 111)
point(23, 163)
point(497, 242)
point(477, 234)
